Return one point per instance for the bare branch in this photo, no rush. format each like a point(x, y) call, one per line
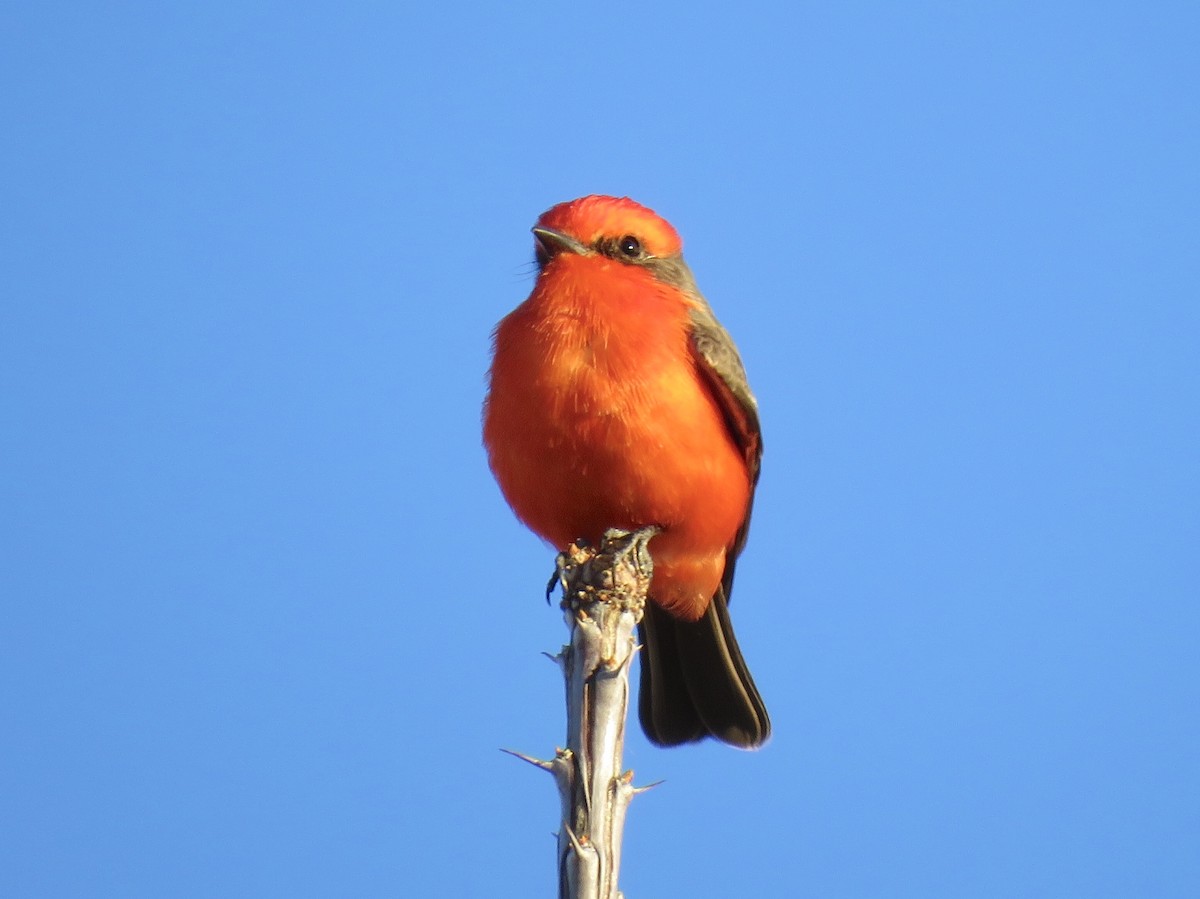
point(604, 595)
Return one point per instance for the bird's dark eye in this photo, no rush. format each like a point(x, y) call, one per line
point(630, 246)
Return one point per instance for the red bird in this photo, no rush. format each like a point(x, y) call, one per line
point(617, 400)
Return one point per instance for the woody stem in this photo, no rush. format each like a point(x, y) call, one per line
point(604, 595)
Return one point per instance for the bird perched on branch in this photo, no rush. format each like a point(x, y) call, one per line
point(617, 400)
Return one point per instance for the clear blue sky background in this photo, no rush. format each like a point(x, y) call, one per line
point(266, 620)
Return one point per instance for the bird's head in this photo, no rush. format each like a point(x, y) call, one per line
point(615, 227)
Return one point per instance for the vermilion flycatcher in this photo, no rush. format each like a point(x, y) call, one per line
point(617, 400)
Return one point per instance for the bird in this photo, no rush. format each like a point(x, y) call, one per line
point(617, 400)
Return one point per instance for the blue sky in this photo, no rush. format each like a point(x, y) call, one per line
point(266, 618)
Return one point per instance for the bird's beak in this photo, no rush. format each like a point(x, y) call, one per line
point(550, 243)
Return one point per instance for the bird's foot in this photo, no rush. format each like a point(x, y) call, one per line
point(619, 570)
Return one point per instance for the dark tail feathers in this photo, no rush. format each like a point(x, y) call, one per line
point(695, 683)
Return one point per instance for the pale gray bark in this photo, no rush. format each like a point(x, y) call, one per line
point(604, 595)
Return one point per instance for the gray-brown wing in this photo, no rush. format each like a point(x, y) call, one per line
point(722, 368)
